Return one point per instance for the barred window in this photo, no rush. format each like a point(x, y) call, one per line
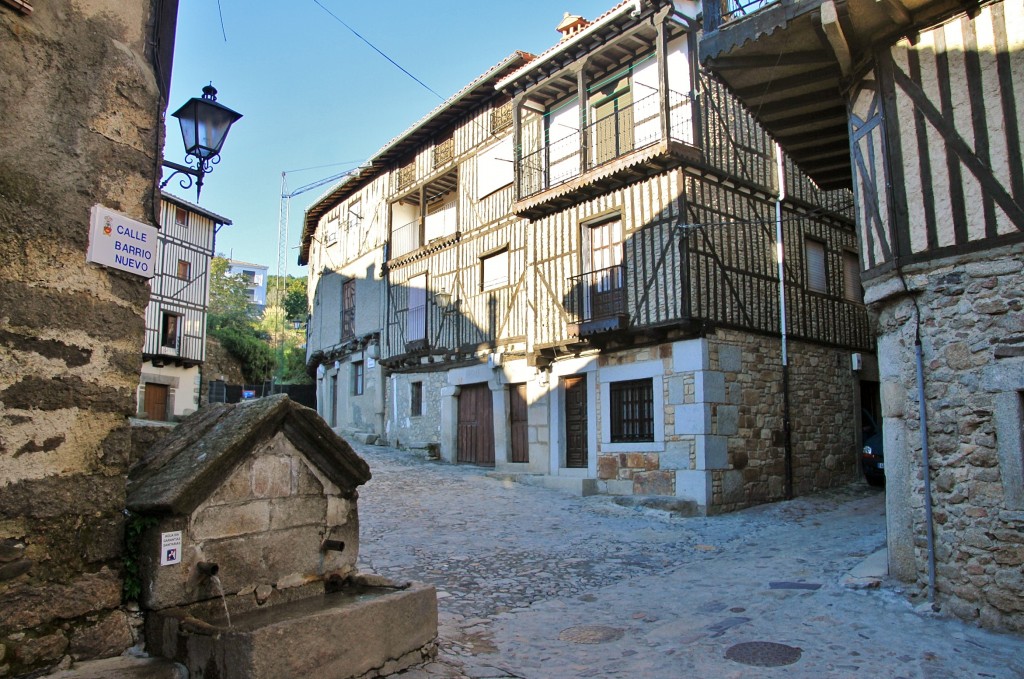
point(444, 152)
point(632, 410)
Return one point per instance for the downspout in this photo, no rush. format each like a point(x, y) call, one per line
point(922, 413)
point(780, 253)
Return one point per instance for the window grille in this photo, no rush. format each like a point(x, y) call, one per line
point(632, 410)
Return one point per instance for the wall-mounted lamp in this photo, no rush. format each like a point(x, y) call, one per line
point(445, 303)
point(204, 127)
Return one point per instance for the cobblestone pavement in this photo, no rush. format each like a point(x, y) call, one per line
point(533, 583)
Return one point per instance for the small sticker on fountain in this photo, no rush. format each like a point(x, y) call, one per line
point(170, 548)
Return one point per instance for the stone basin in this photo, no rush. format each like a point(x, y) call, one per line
point(362, 631)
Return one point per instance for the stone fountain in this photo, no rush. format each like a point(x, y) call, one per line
point(248, 548)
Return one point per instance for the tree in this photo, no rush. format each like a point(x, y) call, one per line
point(230, 319)
point(296, 301)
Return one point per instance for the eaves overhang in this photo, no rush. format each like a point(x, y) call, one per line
point(404, 145)
point(791, 62)
point(192, 207)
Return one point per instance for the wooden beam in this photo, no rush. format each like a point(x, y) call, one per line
point(815, 118)
point(824, 97)
point(807, 58)
point(777, 87)
point(836, 38)
point(21, 5)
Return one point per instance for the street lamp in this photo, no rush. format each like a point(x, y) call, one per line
point(204, 127)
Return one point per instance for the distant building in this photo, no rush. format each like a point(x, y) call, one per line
point(175, 344)
point(256, 280)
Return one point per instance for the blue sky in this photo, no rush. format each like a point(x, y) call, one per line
point(313, 95)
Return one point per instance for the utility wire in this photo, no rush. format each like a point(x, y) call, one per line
point(375, 49)
point(221, 13)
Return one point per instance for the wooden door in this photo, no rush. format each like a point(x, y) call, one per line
point(613, 123)
point(475, 443)
point(575, 421)
point(519, 451)
point(155, 399)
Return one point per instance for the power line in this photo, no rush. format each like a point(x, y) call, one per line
point(378, 51)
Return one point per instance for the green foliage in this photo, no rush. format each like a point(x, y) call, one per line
point(134, 528)
point(231, 320)
point(294, 297)
point(249, 347)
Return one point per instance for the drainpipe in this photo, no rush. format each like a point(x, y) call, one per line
point(779, 256)
point(926, 472)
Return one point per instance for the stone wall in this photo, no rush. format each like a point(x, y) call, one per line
point(409, 431)
point(79, 125)
point(722, 421)
point(823, 418)
point(972, 336)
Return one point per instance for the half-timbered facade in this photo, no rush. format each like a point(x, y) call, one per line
point(581, 280)
point(175, 340)
point(921, 102)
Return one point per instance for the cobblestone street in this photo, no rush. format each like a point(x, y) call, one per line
point(535, 583)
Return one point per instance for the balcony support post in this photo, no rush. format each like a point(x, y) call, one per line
point(581, 95)
point(664, 94)
point(517, 141)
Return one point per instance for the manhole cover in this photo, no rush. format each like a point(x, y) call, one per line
point(763, 654)
point(590, 634)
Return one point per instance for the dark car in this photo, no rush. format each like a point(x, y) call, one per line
point(872, 459)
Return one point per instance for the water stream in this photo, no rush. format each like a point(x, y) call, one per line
point(220, 591)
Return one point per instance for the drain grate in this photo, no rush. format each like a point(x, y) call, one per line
point(763, 654)
point(590, 634)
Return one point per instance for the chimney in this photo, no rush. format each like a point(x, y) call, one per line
point(571, 25)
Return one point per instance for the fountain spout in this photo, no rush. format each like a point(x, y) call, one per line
point(207, 569)
point(332, 546)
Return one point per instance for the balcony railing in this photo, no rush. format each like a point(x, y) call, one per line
point(348, 323)
point(597, 301)
point(628, 129)
point(718, 12)
point(405, 239)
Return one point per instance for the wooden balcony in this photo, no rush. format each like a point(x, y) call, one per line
point(597, 302)
point(646, 137)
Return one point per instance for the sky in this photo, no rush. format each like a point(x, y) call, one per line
point(316, 100)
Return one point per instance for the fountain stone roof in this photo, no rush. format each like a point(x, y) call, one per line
point(184, 468)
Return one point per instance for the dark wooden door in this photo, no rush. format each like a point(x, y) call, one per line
point(575, 421)
point(155, 398)
point(519, 451)
point(476, 425)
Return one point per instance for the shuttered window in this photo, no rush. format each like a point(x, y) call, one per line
point(814, 256)
point(851, 278)
point(494, 271)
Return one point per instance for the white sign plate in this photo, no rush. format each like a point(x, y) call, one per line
point(121, 242)
point(170, 548)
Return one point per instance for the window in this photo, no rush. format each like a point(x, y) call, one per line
point(348, 309)
point(331, 232)
point(632, 410)
point(613, 121)
point(358, 375)
point(416, 321)
point(494, 270)
point(249, 276)
point(180, 216)
point(851, 277)
point(444, 152)
point(494, 168)
point(184, 269)
point(814, 256)
point(169, 331)
point(416, 399)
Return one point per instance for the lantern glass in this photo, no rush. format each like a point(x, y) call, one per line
point(204, 126)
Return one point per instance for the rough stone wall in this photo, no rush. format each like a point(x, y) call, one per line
point(263, 527)
point(219, 363)
point(823, 407)
point(972, 334)
point(406, 430)
point(79, 125)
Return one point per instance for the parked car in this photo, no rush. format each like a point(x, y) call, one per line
point(872, 458)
